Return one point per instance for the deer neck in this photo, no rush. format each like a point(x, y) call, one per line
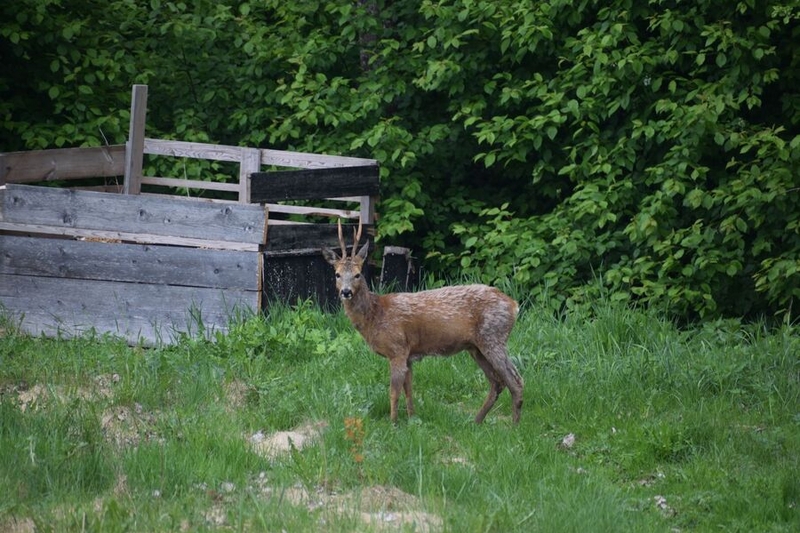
point(361, 309)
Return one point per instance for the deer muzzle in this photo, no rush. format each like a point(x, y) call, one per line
point(346, 294)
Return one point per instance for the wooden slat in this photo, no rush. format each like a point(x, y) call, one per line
point(314, 184)
point(134, 311)
point(192, 150)
point(62, 164)
point(310, 236)
point(136, 263)
point(190, 184)
point(139, 238)
point(281, 158)
point(133, 214)
point(311, 210)
point(134, 148)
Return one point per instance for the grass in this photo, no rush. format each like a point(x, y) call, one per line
point(674, 430)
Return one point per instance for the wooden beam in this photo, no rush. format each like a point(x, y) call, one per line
point(193, 150)
point(134, 263)
point(190, 184)
point(138, 312)
point(281, 158)
point(134, 148)
point(314, 184)
point(130, 215)
point(312, 211)
point(121, 236)
point(62, 164)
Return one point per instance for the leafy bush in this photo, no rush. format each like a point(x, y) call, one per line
point(650, 145)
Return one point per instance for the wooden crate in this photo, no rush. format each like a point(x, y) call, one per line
point(145, 268)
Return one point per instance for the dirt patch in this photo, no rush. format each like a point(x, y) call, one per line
point(379, 507)
point(32, 398)
point(17, 525)
point(126, 426)
point(236, 393)
point(38, 396)
point(104, 385)
point(280, 442)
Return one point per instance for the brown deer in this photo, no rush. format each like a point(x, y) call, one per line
point(404, 327)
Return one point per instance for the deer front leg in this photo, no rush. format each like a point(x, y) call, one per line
point(398, 369)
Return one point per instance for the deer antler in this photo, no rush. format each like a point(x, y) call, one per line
point(356, 237)
point(341, 239)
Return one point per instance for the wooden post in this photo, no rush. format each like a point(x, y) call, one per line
point(368, 209)
point(250, 162)
point(134, 148)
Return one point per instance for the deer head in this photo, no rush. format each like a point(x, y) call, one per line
point(349, 280)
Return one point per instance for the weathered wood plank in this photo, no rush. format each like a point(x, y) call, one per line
point(134, 148)
point(133, 214)
point(310, 236)
point(282, 158)
point(250, 163)
point(193, 150)
point(190, 184)
point(62, 164)
point(154, 313)
point(311, 210)
point(136, 263)
point(314, 184)
point(139, 238)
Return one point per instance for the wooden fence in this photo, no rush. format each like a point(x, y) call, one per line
point(150, 267)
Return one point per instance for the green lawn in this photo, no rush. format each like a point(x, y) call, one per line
point(629, 424)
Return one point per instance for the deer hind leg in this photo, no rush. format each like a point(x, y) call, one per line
point(495, 384)
point(497, 357)
point(407, 391)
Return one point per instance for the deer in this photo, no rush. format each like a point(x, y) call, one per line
point(404, 327)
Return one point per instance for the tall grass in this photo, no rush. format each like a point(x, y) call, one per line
point(674, 429)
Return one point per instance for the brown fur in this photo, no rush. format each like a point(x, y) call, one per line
point(404, 327)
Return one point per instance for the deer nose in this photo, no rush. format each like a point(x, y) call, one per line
point(347, 294)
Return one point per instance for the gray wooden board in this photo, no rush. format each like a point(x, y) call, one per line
point(135, 311)
point(62, 163)
point(306, 236)
point(176, 217)
point(138, 263)
point(314, 184)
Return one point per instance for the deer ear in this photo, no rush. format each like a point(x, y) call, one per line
point(362, 253)
point(330, 256)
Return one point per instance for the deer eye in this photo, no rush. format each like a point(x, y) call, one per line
point(338, 275)
point(357, 276)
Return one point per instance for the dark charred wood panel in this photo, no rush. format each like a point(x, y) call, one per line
point(284, 237)
point(399, 270)
point(289, 278)
point(314, 184)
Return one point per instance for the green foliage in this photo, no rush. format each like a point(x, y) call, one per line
point(546, 144)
